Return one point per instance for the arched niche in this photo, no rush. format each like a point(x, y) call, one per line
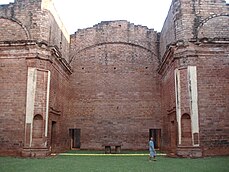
point(186, 130)
point(38, 126)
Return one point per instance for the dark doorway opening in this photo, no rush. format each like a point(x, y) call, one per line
point(53, 135)
point(75, 138)
point(172, 132)
point(156, 134)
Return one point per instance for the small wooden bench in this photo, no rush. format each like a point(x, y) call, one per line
point(108, 148)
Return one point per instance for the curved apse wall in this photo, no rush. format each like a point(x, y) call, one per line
point(115, 93)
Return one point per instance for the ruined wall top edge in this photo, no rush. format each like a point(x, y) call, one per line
point(119, 31)
point(116, 24)
point(26, 10)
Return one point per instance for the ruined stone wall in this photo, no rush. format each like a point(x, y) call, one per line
point(189, 20)
point(59, 108)
point(58, 96)
point(115, 93)
point(120, 86)
point(213, 90)
point(168, 108)
point(39, 21)
point(15, 59)
point(168, 32)
point(12, 101)
point(32, 36)
point(11, 30)
point(114, 32)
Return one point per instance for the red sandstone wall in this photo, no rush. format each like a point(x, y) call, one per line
point(114, 32)
point(59, 108)
point(29, 20)
point(215, 27)
point(11, 30)
point(213, 89)
point(168, 108)
point(213, 82)
point(114, 95)
point(39, 23)
point(168, 32)
point(12, 102)
point(15, 60)
point(58, 138)
point(194, 19)
point(189, 20)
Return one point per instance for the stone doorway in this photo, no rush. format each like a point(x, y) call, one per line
point(53, 135)
point(173, 132)
point(75, 138)
point(156, 134)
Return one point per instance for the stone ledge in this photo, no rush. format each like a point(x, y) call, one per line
point(35, 152)
point(189, 151)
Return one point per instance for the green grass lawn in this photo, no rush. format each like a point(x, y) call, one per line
point(113, 163)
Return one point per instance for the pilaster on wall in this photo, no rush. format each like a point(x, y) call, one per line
point(192, 76)
point(186, 102)
point(37, 103)
point(31, 87)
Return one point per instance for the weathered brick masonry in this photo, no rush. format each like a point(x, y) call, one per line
point(194, 44)
point(114, 83)
point(34, 79)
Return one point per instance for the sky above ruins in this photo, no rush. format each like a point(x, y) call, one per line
point(79, 14)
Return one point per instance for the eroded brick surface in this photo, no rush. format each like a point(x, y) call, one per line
point(115, 81)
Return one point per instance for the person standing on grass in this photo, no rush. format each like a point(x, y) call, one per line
point(152, 152)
